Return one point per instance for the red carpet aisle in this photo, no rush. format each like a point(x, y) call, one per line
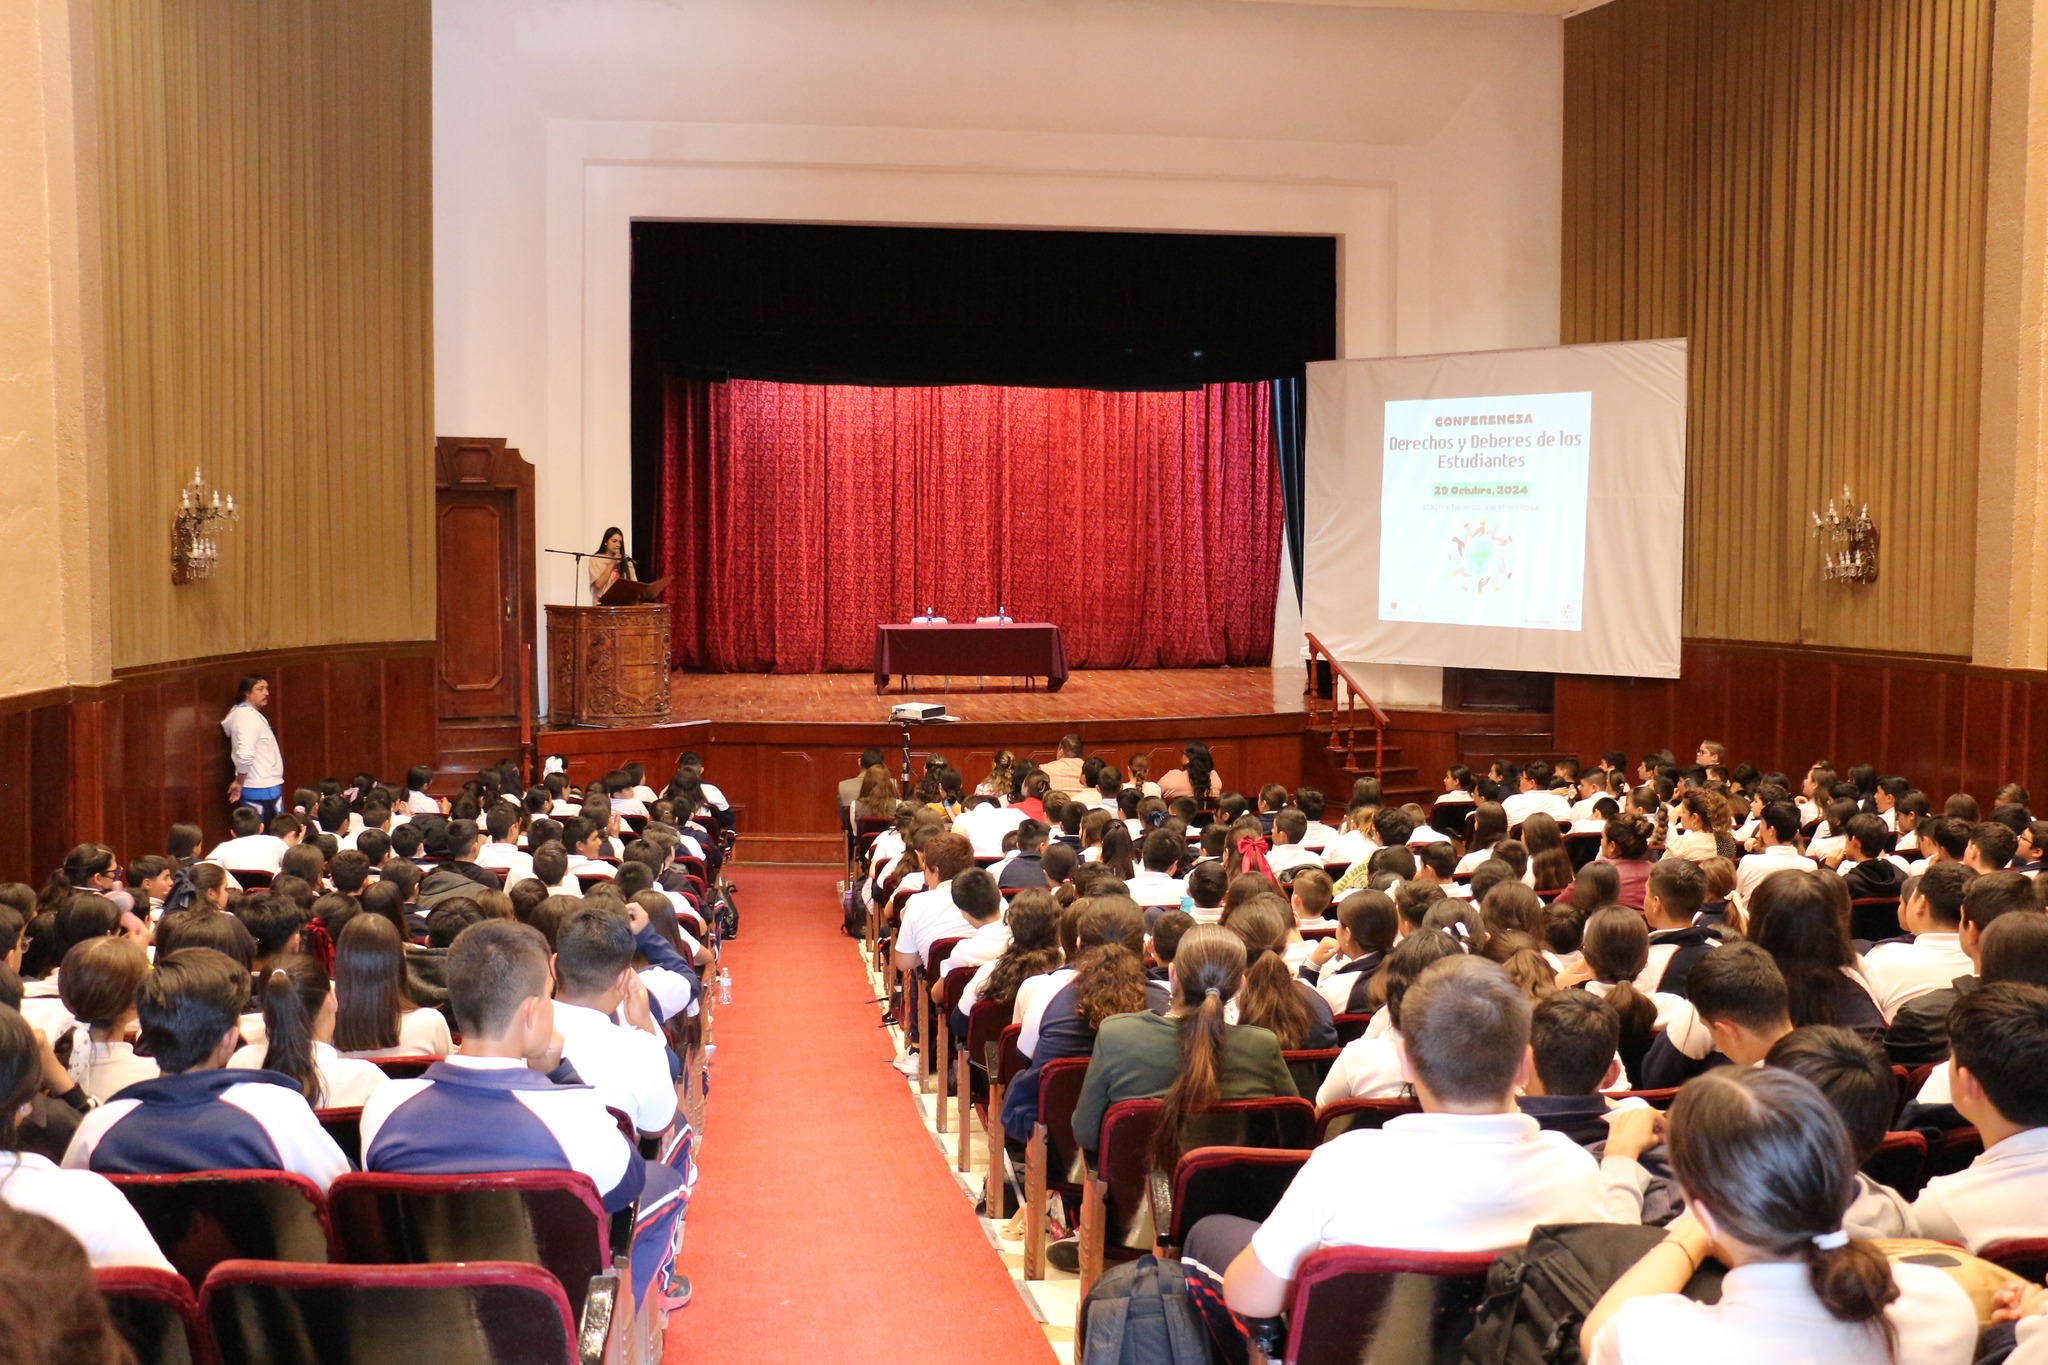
point(826, 1225)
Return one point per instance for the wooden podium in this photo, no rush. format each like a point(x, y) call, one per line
point(608, 665)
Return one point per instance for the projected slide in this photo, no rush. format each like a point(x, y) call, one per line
point(1483, 510)
point(1499, 509)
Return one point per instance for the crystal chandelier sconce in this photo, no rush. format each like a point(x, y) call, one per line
point(195, 543)
point(1848, 542)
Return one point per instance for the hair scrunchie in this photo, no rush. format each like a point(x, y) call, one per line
point(1213, 993)
point(1831, 1241)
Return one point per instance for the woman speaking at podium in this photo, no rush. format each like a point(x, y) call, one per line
point(609, 564)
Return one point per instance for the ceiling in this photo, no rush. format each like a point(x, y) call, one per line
point(1559, 8)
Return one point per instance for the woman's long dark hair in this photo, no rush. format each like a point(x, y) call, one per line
point(1208, 969)
point(1793, 917)
point(369, 985)
point(294, 990)
point(1767, 1155)
point(1201, 768)
point(609, 532)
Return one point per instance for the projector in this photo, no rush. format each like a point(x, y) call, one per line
point(916, 710)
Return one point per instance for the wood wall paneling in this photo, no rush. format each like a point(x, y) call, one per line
point(120, 763)
point(1798, 186)
point(266, 191)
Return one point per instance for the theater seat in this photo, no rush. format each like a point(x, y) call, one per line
point(480, 1313)
point(551, 1219)
point(1246, 1182)
point(203, 1218)
point(2026, 1257)
point(1368, 1303)
point(1341, 1116)
point(156, 1313)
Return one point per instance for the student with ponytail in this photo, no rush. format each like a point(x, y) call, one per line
point(1616, 945)
point(1190, 1056)
point(1766, 1167)
point(1273, 997)
point(97, 984)
point(298, 1019)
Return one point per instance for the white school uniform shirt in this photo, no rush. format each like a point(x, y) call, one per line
point(1822, 847)
point(85, 1204)
point(2001, 1195)
point(250, 853)
point(1668, 1006)
point(421, 1033)
point(984, 945)
point(1754, 867)
point(886, 849)
point(1317, 836)
point(622, 804)
point(1365, 1069)
point(106, 1069)
point(44, 1008)
point(419, 803)
point(627, 1067)
point(1286, 856)
point(1470, 861)
point(345, 1083)
point(928, 917)
point(1769, 1312)
point(1935, 1089)
point(1424, 834)
point(1431, 1182)
point(1352, 846)
point(1522, 805)
point(673, 992)
point(1033, 995)
point(1902, 972)
point(518, 866)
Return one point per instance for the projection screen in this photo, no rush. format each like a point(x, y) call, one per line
point(1501, 509)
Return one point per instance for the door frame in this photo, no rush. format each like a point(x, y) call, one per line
point(487, 464)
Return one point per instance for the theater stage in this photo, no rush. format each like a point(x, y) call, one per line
point(778, 744)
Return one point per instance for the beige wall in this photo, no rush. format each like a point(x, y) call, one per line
point(52, 534)
point(266, 190)
point(1800, 187)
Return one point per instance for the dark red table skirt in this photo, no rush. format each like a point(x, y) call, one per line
point(1020, 650)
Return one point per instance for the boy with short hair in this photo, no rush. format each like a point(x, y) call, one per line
point(1474, 1173)
point(1574, 1039)
point(1998, 1041)
point(1932, 957)
point(1289, 825)
point(506, 1101)
point(197, 1115)
point(627, 1064)
point(1852, 1073)
point(1671, 903)
point(1736, 1006)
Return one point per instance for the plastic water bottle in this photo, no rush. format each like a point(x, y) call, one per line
point(725, 985)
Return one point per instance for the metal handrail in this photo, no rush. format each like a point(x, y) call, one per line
point(1353, 695)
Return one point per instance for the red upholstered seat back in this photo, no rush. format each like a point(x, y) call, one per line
point(155, 1312)
point(1353, 1303)
point(206, 1217)
point(1341, 1116)
point(552, 1219)
point(481, 1313)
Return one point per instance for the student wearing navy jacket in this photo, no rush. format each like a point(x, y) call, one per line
point(506, 1101)
point(196, 1116)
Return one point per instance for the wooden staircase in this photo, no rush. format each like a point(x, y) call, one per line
point(1355, 730)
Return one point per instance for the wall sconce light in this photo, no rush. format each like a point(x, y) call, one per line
point(195, 548)
point(1848, 540)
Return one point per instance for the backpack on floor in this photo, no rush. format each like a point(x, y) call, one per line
point(1537, 1298)
point(1142, 1314)
point(728, 916)
point(853, 916)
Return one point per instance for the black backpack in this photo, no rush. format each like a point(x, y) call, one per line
point(1537, 1298)
point(1142, 1314)
point(727, 915)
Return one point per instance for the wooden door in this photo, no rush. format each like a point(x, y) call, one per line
point(477, 618)
point(487, 612)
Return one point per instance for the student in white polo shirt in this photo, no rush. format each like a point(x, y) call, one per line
point(596, 987)
point(1156, 886)
point(1998, 1047)
point(976, 897)
point(1766, 1168)
point(1289, 825)
point(1904, 970)
point(928, 916)
point(1469, 1173)
point(506, 823)
point(1776, 849)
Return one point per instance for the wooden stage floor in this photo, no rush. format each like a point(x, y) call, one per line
point(1089, 695)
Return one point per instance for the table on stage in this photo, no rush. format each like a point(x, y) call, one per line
point(1025, 649)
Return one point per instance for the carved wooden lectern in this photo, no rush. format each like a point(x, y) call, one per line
point(608, 665)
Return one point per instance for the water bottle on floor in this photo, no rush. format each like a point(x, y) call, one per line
point(725, 985)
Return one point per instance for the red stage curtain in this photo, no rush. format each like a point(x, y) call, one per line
point(796, 517)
